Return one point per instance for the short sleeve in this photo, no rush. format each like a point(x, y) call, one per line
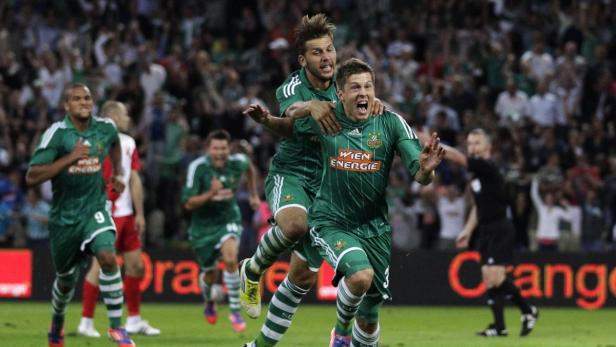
point(48, 148)
point(135, 163)
point(288, 94)
point(193, 185)
point(406, 142)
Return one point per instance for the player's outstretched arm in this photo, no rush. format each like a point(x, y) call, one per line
point(281, 126)
point(321, 111)
point(40, 173)
point(451, 154)
point(430, 157)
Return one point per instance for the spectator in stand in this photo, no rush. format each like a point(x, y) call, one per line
point(539, 64)
point(544, 109)
point(36, 213)
point(549, 215)
point(511, 105)
point(451, 209)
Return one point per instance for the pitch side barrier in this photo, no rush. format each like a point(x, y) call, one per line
point(416, 278)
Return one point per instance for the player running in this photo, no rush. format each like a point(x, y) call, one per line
point(71, 154)
point(495, 233)
point(216, 224)
point(130, 225)
point(348, 220)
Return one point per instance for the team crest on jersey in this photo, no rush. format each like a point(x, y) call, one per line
point(99, 148)
point(374, 141)
point(340, 245)
point(288, 197)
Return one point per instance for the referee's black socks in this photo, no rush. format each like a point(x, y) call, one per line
point(513, 293)
point(496, 301)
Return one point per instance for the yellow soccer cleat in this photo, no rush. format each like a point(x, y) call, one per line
point(250, 293)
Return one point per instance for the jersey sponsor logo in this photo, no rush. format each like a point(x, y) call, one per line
point(85, 166)
point(374, 141)
point(354, 160)
point(355, 132)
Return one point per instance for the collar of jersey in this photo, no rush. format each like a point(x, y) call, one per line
point(304, 79)
point(69, 124)
point(347, 122)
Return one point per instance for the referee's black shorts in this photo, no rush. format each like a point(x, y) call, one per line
point(496, 241)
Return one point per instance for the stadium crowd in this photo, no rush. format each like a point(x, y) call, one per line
point(539, 76)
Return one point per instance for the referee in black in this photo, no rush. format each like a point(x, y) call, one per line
point(495, 232)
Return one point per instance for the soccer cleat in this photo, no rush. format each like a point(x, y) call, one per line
point(142, 328)
point(210, 312)
point(55, 338)
point(491, 331)
point(529, 320)
point(250, 293)
point(237, 322)
point(250, 344)
point(339, 340)
point(120, 337)
point(87, 330)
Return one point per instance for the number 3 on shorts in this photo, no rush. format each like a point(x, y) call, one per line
point(100, 218)
point(386, 283)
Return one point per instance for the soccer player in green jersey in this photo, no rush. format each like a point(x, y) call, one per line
point(294, 177)
point(216, 224)
point(348, 218)
point(71, 154)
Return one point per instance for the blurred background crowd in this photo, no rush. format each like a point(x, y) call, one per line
point(538, 75)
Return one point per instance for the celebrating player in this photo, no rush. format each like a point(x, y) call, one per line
point(348, 220)
point(130, 227)
point(495, 233)
point(294, 176)
point(215, 228)
point(71, 154)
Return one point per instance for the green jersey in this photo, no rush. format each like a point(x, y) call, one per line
point(300, 157)
point(223, 208)
point(357, 161)
point(79, 189)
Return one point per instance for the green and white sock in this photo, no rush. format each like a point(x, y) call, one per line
point(59, 301)
point(232, 280)
point(271, 246)
point(347, 305)
point(280, 312)
point(205, 288)
point(110, 285)
point(363, 339)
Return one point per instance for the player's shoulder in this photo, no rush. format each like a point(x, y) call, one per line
point(238, 157)
point(394, 120)
point(127, 140)
point(199, 163)
point(52, 131)
point(290, 86)
point(104, 122)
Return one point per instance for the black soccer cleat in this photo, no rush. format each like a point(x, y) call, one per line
point(491, 331)
point(529, 320)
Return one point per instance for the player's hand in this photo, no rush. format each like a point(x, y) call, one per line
point(140, 225)
point(116, 184)
point(323, 113)
point(215, 185)
point(462, 240)
point(254, 202)
point(80, 151)
point(432, 154)
point(378, 107)
point(257, 112)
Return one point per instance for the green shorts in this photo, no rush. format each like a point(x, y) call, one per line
point(347, 253)
point(308, 253)
point(207, 240)
point(286, 191)
point(71, 243)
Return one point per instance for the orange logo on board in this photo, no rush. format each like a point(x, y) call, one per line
point(354, 160)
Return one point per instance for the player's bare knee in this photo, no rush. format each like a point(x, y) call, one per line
point(366, 326)
point(361, 281)
point(107, 261)
point(135, 270)
point(293, 224)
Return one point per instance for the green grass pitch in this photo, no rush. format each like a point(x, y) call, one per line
point(25, 325)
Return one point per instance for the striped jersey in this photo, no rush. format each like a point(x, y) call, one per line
point(78, 190)
point(223, 208)
point(300, 157)
point(356, 165)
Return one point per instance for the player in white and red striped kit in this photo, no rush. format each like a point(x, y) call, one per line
point(130, 225)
